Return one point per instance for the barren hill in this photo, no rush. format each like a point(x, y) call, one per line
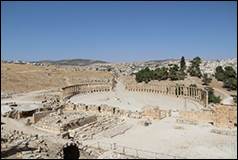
point(25, 77)
point(73, 62)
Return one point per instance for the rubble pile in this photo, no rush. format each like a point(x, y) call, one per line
point(27, 146)
point(52, 102)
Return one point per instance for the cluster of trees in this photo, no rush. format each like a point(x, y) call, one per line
point(173, 72)
point(176, 73)
point(194, 68)
point(144, 75)
point(211, 96)
point(228, 76)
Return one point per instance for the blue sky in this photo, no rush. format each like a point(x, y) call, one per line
point(118, 31)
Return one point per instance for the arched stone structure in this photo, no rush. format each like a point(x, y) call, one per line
point(181, 91)
point(199, 95)
point(71, 150)
point(72, 90)
point(88, 86)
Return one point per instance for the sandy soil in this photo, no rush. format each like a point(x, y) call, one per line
point(164, 136)
point(26, 101)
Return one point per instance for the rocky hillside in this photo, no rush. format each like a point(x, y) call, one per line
point(73, 62)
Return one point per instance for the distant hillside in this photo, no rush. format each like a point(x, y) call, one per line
point(160, 61)
point(74, 62)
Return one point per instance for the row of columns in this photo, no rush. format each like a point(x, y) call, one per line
point(196, 94)
point(82, 89)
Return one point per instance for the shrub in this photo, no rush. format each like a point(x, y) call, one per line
point(230, 83)
point(220, 73)
point(211, 97)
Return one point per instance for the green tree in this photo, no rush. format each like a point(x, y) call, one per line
point(173, 72)
point(206, 80)
point(228, 76)
point(161, 73)
point(230, 72)
point(211, 96)
point(219, 73)
point(182, 64)
point(194, 69)
point(230, 83)
point(197, 61)
point(144, 75)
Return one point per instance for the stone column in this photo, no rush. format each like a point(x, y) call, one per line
point(182, 88)
point(197, 94)
point(200, 94)
point(206, 100)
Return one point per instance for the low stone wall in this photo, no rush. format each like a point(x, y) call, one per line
point(224, 132)
point(148, 112)
point(225, 116)
point(78, 122)
point(100, 109)
point(220, 116)
point(181, 91)
point(47, 128)
point(199, 116)
point(38, 115)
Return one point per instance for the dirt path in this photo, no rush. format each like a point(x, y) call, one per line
point(227, 99)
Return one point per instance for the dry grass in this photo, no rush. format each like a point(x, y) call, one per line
point(18, 78)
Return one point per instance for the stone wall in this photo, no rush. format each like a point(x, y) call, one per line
point(70, 91)
point(38, 115)
point(100, 109)
point(181, 91)
point(225, 116)
point(220, 116)
point(78, 122)
point(149, 112)
point(155, 112)
point(199, 116)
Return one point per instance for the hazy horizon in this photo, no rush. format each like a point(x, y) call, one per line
point(117, 61)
